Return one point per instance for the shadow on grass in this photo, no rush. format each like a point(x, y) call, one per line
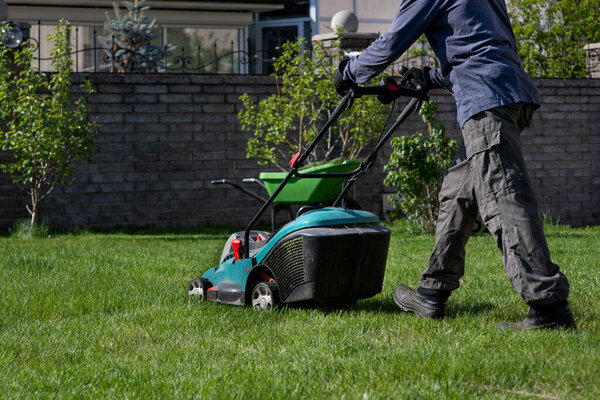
point(387, 306)
point(462, 309)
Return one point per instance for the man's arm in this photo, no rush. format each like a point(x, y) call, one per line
point(437, 79)
point(413, 18)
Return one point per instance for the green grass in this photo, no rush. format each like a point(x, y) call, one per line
point(105, 314)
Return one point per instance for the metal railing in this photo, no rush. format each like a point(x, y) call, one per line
point(227, 59)
point(91, 57)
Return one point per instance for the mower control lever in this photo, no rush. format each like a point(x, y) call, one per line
point(390, 90)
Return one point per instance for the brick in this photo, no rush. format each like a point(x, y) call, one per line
point(114, 167)
point(222, 127)
point(105, 98)
point(140, 78)
point(112, 88)
point(151, 108)
point(143, 196)
point(218, 89)
point(141, 117)
point(151, 186)
point(110, 108)
point(177, 79)
point(185, 127)
point(116, 187)
point(238, 80)
point(185, 108)
point(109, 118)
point(142, 176)
point(209, 118)
point(116, 148)
point(150, 128)
point(208, 155)
point(576, 115)
point(81, 188)
point(579, 180)
point(150, 89)
point(177, 118)
point(218, 108)
point(175, 137)
point(186, 185)
point(141, 98)
point(107, 177)
point(175, 98)
point(207, 79)
point(105, 137)
point(568, 91)
point(251, 89)
point(174, 156)
point(209, 98)
point(98, 77)
point(185, 88)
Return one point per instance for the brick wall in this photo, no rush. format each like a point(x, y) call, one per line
point(163, 138)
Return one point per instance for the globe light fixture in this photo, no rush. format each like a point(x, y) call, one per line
point(11, 35)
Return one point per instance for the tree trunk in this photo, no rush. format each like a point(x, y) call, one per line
point(33, 211)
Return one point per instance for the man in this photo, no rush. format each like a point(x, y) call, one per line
point(495, 99)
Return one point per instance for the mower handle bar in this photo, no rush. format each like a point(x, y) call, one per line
point(254, 180)
point(388, 91)
point(240, 188)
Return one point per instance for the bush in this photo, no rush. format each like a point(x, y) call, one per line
point(416, 170)
point(287, 121)
point(43, 129)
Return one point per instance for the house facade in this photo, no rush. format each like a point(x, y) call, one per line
point(204, 31)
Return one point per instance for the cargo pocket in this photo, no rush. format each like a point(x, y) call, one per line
point(480, 135)
point(482, 138)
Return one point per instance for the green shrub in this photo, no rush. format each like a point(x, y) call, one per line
point(287, 121)
point(43, 129)
point(416, 169)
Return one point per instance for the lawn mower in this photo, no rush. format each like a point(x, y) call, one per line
point(329, 254)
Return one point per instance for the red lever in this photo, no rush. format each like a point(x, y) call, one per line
point(373, 161)
point(294, 160)
point(235, 245)
point(391, 85)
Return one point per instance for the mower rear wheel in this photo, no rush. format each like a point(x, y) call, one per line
point(197, 289)
point(265, 296)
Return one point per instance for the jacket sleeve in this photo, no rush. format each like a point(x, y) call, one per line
point(436, 77)
point(412, 19)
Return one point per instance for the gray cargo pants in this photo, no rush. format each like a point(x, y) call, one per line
point(488, 176)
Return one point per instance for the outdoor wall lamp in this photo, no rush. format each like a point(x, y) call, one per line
point(12, 35)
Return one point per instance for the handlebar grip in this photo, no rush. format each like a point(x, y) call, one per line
point(218, 182)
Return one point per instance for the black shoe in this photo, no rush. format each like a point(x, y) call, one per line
point(555, 316)
point(424, 306)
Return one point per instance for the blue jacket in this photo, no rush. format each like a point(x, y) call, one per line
point(474, 43)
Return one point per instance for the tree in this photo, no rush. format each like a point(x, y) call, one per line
point(551, 35)
point(130, 44)
point(43, 129)
point(287, 121)
point(416, 169)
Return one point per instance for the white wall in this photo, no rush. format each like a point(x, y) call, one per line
point(373, 16)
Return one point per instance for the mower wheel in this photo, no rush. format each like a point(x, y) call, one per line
point(197, 289)
point(265, 296)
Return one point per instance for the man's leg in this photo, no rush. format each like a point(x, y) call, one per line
point(509, 210)
point(457, 213)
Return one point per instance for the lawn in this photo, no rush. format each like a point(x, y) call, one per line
point(93, 314)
